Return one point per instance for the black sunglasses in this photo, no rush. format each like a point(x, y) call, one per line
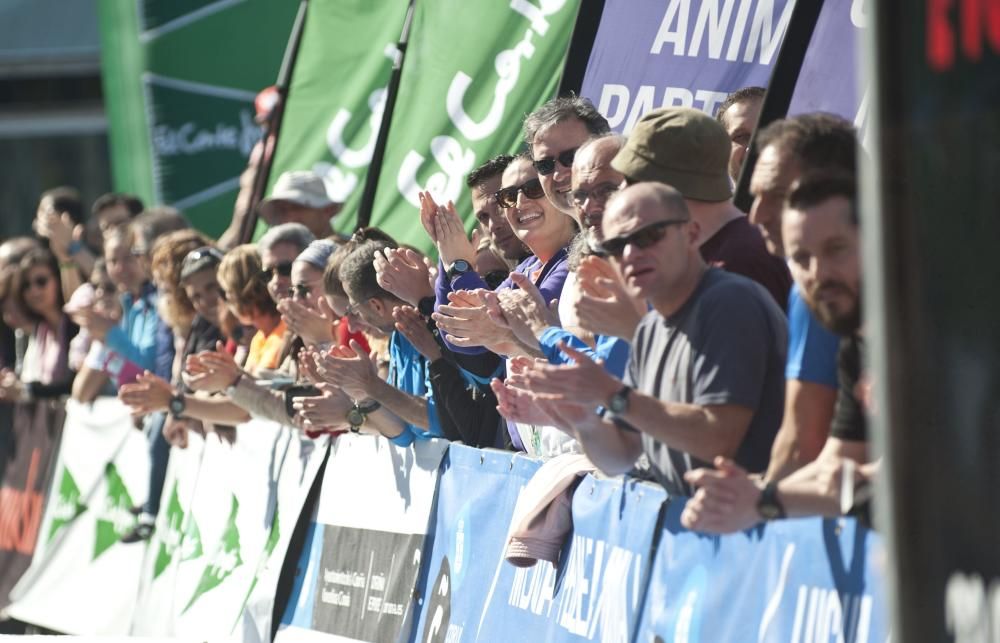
point(299, 291)
point(284, 269)
point(641, 238)
point(507, 197)
point(548, 166)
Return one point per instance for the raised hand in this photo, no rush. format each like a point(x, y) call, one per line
point(351, 369)
point(603, 304)
point(414, 328)
point(312, 325)
point(211, 371)
point(403, 272)
point(452, 242)
point(148, 394)
point(323, 412)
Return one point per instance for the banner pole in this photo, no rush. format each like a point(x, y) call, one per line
point(378, 155)
point(581, 44)
point(273, 127)
point(784, 76)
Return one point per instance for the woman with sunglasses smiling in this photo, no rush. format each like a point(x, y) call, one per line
point(45, 370)
point(546, 231)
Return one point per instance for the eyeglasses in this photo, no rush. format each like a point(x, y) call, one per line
point(284, 269)
point(548, 166)
point(352, 310)
point(41, 281)
point(299, 291)
point(598, 194)
point(642, 238)
point(507, 197)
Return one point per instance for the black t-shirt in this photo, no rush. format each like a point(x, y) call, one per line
point(849, 421)
point(739, 247)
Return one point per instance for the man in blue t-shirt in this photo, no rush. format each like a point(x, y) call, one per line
point(790, 148)
point(400, 407)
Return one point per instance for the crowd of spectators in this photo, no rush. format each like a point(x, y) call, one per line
point(611, 300)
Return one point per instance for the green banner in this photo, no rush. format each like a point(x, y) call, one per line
point(469, 78)
point(180, 77)
point(337, 95)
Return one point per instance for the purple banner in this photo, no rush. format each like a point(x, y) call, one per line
point(829, 78)
point(651, 53)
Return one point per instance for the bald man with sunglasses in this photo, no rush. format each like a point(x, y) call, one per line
point(706, 372)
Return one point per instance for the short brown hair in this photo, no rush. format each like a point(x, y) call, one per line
point(166, 258)
point(241, 275)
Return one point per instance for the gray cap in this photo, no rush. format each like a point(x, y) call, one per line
point(317, 253)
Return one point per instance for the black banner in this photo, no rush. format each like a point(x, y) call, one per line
point(366, 583)
point(29, 454)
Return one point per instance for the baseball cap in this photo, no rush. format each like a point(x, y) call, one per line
point(199, 259)
point(682, 147)
point(299, 186)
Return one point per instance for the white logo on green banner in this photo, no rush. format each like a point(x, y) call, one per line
point(226, 558)
point(114, 519)
point(66, 503)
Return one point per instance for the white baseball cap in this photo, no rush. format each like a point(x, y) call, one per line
point(300, 186)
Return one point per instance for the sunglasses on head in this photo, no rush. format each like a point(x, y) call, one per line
point(507, 197)
point(284, 269)
point(548, 166)
point(642, 238)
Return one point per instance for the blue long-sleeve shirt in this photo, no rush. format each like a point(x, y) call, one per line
point(134, 338)
point(613, 350)
point(550, 279)
point(410, 373)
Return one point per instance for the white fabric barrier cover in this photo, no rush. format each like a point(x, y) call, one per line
point(300, 463)
point(82, 580)
point(364, 558)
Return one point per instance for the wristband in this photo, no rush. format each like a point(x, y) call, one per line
point(74, 247)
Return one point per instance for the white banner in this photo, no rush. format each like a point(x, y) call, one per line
point(300, 464)
point(367, 544)
point(82, 580)
point(176, 539)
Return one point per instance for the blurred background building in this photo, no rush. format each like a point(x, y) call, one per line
point(53, 129)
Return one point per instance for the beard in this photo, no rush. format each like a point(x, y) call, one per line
point(839, 320)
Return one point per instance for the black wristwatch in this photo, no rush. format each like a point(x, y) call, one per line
point(177, 406)
point(426, 306)
point(459, 267)
point(358, 414)
point(768, 505)
point(618, 404)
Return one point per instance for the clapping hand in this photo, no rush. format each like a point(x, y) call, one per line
point(403, 272)
point(603, 304)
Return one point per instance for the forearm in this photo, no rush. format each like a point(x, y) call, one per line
point(259, 401)
point(384, 422)
point(802, 493)
point(410, 409)
point(69, 277)
point(612, 449)
point(217, 410)
point(803, 432)
point(701, 431)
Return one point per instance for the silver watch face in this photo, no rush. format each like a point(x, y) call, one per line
point(177, 406)
point(618, 403)
point(355, 417)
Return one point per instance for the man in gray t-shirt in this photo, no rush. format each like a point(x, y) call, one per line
point(706, 372)
point(724, 346)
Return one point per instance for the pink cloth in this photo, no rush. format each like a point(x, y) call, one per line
point(543, 516)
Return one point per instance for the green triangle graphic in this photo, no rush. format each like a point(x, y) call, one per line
point(67, 504)
point(114, 518)
point(191, 544)
point(272, 541)
point(170, 536)
point(226, 558)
